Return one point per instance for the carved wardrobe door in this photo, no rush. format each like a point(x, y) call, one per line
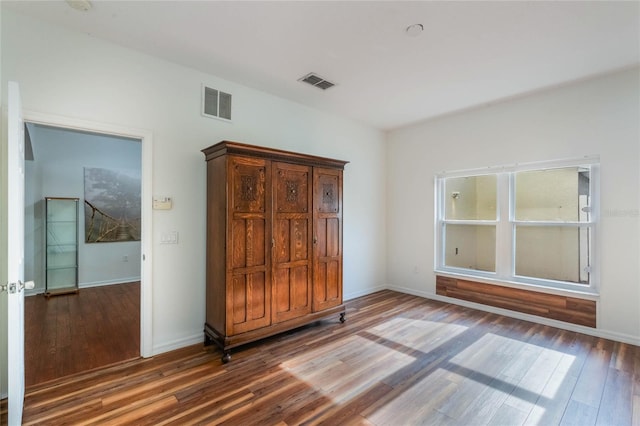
point(327, 239)
point(291, 251)
point(248, 264)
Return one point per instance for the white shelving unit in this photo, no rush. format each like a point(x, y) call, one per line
point(61, 246)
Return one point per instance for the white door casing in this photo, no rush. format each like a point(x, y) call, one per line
point(15, 254)
point(146, 138)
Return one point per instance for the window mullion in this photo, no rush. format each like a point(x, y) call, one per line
point(439, 223)
point(504, 228)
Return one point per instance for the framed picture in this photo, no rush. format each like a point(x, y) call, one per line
point(111, 205)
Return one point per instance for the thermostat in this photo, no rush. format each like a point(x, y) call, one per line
point(162, 203)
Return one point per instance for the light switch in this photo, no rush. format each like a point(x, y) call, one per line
point(169, 237)
point(162, 203)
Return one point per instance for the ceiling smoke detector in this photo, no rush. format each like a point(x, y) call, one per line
point(81, 5)
point(317, 81)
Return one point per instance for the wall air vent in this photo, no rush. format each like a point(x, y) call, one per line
point(216, 104)
point(317, 81)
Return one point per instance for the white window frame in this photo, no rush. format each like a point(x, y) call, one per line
point(505, 225)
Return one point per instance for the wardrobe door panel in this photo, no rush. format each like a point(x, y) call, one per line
point(291, 289)
point(291, 185)
point(332, 237)
point(333, 290)
point(248, 262)
point(291, 242)
point(249, 302)
point(248, 182)
point(327, 248)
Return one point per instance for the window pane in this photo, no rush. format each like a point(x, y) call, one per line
point(553, 253)
point(470, 198)
point(552, 195)
point(470, 247)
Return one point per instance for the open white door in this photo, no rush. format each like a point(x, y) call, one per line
point(15, 249)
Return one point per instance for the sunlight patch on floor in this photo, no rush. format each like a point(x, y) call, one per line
point(344, 370)
point(509, 356)
point(508, 376)
point(419, 335)
point(413, 403)
point(348, 367)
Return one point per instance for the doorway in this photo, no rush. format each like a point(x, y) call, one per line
point(107, 270)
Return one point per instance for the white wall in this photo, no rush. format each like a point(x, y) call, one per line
point(74, 75)
point(598, 116)
point(60, 157)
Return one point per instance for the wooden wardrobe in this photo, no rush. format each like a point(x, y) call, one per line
point(274, 242)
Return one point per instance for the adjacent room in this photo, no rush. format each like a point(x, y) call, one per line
point(84, 312)
point(354, 212)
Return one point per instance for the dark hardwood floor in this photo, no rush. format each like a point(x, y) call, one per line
point(67, 334)
point(398, 360)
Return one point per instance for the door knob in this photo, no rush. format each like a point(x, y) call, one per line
point(17, 287)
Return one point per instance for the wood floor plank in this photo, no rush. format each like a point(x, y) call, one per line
point(635, 417)
point(508, 415)
point(398, 360)
point(616, 406)
point(553, 400)
point(579, 414)
point(71, 333)
point(416, 402)
point(527, 391)
point(592, 380)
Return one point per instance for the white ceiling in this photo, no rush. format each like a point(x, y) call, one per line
point(469, 54)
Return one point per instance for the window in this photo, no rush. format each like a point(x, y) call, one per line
point(469, 225)
point(529, 224)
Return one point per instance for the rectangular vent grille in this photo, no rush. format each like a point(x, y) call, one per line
point(317, 81)
point(215, 103)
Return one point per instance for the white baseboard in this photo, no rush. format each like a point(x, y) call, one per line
point(37, 291)
point(178, 344)
point(605, 334)
point(360, 293)
point(109, 282)
point(88, 285)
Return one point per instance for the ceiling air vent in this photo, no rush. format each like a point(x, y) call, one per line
point(317, 81)
point(215, 103)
